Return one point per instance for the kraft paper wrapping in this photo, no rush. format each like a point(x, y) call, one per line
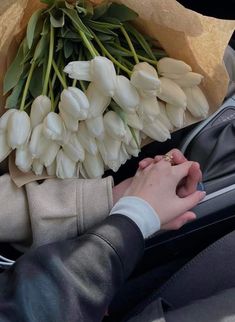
point(198, 40)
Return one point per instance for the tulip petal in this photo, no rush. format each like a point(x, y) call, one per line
point(171, 93)
point(172, 66)
point(98, 101)
point(176, 115)
point(196, 102)
point(37, 167)
point(66, 168)
point(49, 154)
point(5, 150)
point(40, 108)
point(74, 150)
point(156, 131)
point(4, 120)
point(79, 70)
point(94, 165)
point(70, 122)
point(145, 77)
point(126, 95)
point(95, 127)
point(18, 129)
point(23, 159)
point(38, 143)
point(114, 125)
point(53, 127)
point(88, 142)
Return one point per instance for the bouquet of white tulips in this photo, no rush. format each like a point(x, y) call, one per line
point(86, 87)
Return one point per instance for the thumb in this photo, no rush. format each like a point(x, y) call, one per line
point(192, 200)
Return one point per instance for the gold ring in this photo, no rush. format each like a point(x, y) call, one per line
point(169, 158)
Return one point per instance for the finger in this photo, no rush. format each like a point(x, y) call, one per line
point(192, 200)
point(158, 158)
point(145, 163)
point(178, 156)
point(180, 221)
point(190, 183)
point(181, 171)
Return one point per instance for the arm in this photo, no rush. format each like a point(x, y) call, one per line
point(73, 280)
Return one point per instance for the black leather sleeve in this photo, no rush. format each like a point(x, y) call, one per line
point(73, 280)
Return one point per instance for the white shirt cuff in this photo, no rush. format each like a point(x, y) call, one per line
point(141, 212)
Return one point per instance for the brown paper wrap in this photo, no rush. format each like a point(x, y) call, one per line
point(198, 40)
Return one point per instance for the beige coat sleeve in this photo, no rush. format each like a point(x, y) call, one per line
point(51, 211)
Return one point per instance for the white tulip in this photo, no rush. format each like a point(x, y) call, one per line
point(23, 159)
point(88, 142)
point(171, 93)
point(114, 125)
point(53, 127)
point(73, 149)
point(94, 165)
point(65, 167)
point(134, 151)
point(40, 108)
point(163, 117)
point(5, 150)
point(189, 80)
point(156, 131)
point(134, 121)
point(75, 103)
point(51, 170)
point(128, 137)
point(95, 127)
point(79, 70)
point(136, 139)
point(176, 115)
point(126, 95)
point(109, 149)
point(37, 167)
point(196, 102)
point(170, 66)
point(97, 100)
point(18, 129)
point(103, 74)
point(70, 122)
point(123, 156)
point(38, 143)
point(4, 120)
point(49, 154)
point(149, 108)
point(145, 78)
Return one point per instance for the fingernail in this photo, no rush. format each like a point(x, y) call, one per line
point(203, 194)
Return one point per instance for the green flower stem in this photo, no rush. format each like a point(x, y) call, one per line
point(51, 96)
point(130, 44)
point(26, 88)
point(88, 44)
point(50, 58)
point(60, 77)
point(83, 87)
point(143, 58)
point(117, 63)
point(74, 83)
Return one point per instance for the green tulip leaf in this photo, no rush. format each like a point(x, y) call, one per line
point(68, 48)
point(57, 19)
point(13, 99)
point(32, 27)
point(141, 40)
point(36, 83)
point(76, 21)
point(103, 27)
point(41, 49)
point(121, 12)
point(14, 71)
point(100, 10)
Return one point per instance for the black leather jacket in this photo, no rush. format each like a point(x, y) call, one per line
point(73, 280)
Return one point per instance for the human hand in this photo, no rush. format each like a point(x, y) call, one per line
point(120, 189)
point(157, 184)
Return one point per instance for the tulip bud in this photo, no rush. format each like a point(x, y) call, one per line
point(176, 115)
point(114, 125)
point(128, 137)
point(75, 103)
point(53, 127)
point(70, 122)
point(126, 95)
point(103, 74)
point(40, 108)
point(170, 66)
point(134, 121)
point(74, 150)
point(133, 151)
point(65, 168)
point(37, 167)
point(172, 93)
point(97, 100)
point(23, 159)
point(49, 154)
point(196, 102)
point(133, 148)
point(88, 142)
point(109, 149)
point(94, 165)
point(163, 117)
point(5, 150)
point(145, 78)
point(79, 70)
point(189, 80)
point(95, 127)
point(149, 108)
point(38, 143)
point(18, 129)
point(4, 120)
point(51, 170)
point(156, 131)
